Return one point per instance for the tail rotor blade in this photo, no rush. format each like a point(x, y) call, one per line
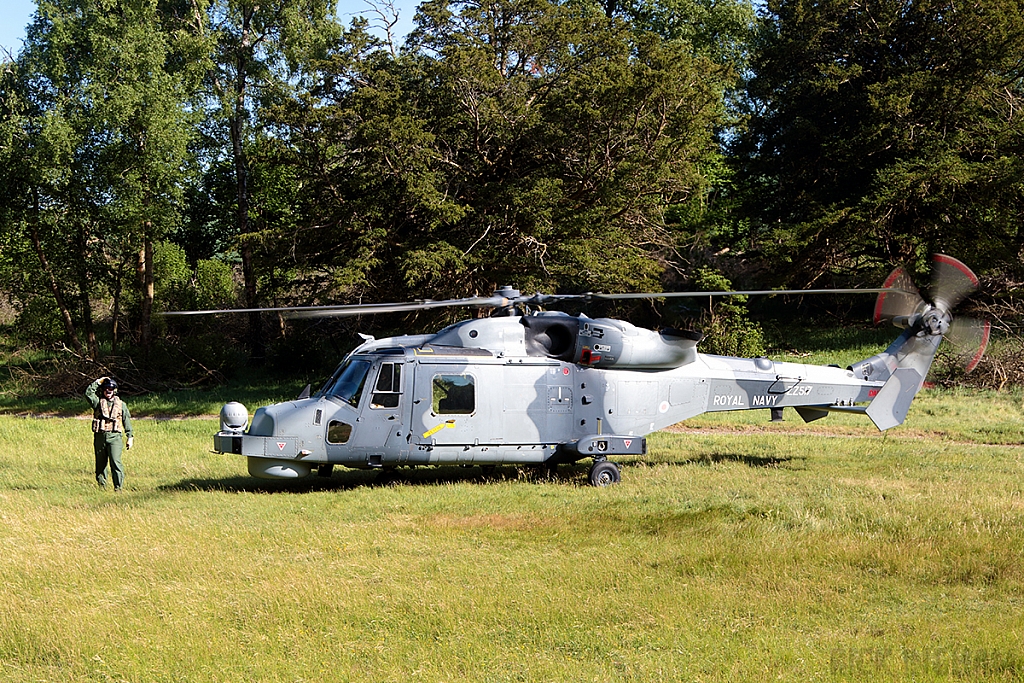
point(903, 300)
point(952, 281)
point(969, 338)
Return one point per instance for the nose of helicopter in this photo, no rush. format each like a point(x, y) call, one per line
point(277, 441)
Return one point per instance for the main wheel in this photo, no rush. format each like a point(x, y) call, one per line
point(324, 470)
point(604, 473)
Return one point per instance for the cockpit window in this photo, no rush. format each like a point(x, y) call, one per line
point(348, 380)
point(388, 389)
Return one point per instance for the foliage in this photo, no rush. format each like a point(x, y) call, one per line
point(520, 142)
point(214, 285)
point(717, 29)
point(887, 130)
point(172, 272)
point(726, 325)
point(209, 285)
point(38, 323)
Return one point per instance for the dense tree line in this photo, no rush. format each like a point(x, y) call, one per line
point(884, 130)
point(160, 154)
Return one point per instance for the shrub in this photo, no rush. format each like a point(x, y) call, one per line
point(727, 328)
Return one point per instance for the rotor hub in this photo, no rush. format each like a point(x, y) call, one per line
point(507, 292)
point(936, 322)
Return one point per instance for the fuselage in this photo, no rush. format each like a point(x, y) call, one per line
point(531, 389)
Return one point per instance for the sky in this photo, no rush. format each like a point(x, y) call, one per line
point(15, 15)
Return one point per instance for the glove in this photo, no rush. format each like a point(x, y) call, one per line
point(131, 440)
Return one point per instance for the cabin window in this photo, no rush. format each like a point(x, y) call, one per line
point(347, 383)
point(389, 386)
point(454, 395)
point(338, 432)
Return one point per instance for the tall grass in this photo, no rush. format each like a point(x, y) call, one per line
point(729, 553)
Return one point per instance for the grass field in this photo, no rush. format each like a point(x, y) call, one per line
point(736, 550)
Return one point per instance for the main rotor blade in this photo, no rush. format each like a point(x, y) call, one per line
point(357, 309)
point(598, 296)
point(367, 309)
point(497, 301)
point(952, 281)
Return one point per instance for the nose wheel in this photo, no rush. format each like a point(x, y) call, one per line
point(604, 473)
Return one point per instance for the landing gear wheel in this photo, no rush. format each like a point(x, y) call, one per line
point(324, 470)
point(604, 473)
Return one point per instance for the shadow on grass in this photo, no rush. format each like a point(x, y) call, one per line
point(748, 460)
point(351, 479)
point(570, 474)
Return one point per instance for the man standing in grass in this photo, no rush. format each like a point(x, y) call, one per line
point(111, 423)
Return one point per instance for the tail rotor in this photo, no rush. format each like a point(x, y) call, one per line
point(951, 283)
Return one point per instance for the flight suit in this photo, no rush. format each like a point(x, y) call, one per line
point(111, 424)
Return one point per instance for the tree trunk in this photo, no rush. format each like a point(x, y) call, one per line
point(115, 326)
point(237, 124)
point(257, 348)
point(255, 332)
point(90, 331)
point(58, 294)
point(146, 287)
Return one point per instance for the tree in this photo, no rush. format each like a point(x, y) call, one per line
point(20, 239)
point(511, 141)
point(717, 29)
point(884, 130)
point(260, 50)
point(101, 131)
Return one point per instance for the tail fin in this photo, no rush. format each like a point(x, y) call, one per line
point(903, 366)
point(889, 407)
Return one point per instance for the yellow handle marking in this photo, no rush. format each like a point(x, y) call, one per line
point(450, 424)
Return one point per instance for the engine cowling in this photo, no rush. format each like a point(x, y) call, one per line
point(607, 343)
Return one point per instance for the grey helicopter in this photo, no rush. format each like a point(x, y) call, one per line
point(546, 388)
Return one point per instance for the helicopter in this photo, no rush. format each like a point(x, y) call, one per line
point(545, 388)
